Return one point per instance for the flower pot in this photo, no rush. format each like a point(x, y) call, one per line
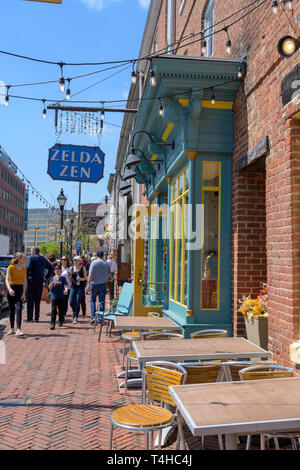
point(207, 274)
point(257, 330)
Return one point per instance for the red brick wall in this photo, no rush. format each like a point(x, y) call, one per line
point(266, 208)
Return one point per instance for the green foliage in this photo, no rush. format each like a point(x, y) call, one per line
point(50, 247)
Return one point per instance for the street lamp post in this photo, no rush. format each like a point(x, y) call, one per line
point(72, 218)
point(61, 199)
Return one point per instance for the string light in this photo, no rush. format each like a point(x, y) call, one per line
point(102, 115)
point(134, 76)
point(44, 110)
point(161, 108)
point(213, 98)
point(228, 42)
point(61, 80)
point(204, 47)
point(68, 94)
point(152, 78)
point(275, 6)
point(289, 4)
point(6, 100)
point(240, 73)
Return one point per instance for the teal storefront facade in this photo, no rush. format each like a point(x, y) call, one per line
point(190, 108)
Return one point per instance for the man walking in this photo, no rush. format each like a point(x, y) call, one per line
point(97, 281)
point(113, 269)
point(36, 266)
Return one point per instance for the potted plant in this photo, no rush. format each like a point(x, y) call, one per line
point(207, 272)
point(255, 312)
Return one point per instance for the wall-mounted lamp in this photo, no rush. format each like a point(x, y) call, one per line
point(287, 46)
point(133, 159)
point(160, 144)
point(128, 174)
point(125, 192)
point(124, 185)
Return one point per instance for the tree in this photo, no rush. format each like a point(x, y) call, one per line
point(50, 247)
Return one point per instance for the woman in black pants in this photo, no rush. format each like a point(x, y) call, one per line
point(16, 283)
point(66, 273)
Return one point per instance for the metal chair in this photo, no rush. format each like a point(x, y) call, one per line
point(231, 369)
point(123, 307)
point(131, 355)
point(157, 378)
point(213, 333)
point(263, 372)
point(198, 373)
point(159, 336)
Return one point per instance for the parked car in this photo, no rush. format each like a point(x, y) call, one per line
point(3, 291)
point(5, 261)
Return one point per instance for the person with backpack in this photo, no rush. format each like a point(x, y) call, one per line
point(59, 289)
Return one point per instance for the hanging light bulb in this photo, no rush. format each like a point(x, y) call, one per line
point(289, 4)
point(61, 80)
point(68, 93)
point(203, 47)
point(62, 84)
point(44, 110)
point(228, 42)
point(102, 115)
point(161, 108)
point(240, 73)
point(152, 78)
point(6, 99)
point(275, 6)
point(134, 75)
point(213, 98)
point(228, 46)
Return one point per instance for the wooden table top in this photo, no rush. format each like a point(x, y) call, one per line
point(253, 406)
point(202, 349)
point(145, 323)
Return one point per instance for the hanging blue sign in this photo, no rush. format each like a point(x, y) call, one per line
point(76, 163)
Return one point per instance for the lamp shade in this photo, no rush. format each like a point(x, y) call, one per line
point(125, 192)
point(128, 174)
point(287, 46)
point(132, 159)
point(124, 185)
point(72, 215)
point(61, 199)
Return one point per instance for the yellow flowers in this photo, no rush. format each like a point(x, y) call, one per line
point(258, 306)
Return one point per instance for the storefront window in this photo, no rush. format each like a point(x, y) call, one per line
point(178, 252)
point(153, 229)
point(210, 262)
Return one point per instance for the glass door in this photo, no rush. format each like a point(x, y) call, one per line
point(149, 260)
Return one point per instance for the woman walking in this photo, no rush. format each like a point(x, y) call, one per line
point(16, 283)
point(78, 281)
point(66, 273)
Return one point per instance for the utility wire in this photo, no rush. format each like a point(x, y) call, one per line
point(132, 61)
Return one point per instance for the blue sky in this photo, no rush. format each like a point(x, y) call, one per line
point(76, 31)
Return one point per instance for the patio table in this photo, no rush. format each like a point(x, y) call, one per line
point(141, 323)
point(197, 349)
point(145, 323)
point(238, 408)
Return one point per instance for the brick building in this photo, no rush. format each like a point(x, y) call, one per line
point(12, 203)
point(257, 136)
point(41, 228)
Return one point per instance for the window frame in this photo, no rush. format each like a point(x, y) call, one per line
point(178, 295)
point(208, 23)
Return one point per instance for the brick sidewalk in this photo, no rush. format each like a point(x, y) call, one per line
point(60, 387)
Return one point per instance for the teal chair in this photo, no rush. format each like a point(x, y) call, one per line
point(123, 307)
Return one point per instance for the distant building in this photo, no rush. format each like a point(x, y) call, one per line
point(12, 202)
point(42, 225)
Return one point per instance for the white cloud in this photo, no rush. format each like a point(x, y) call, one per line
point(100, 4)
point(95, 4)
point(144, 3)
